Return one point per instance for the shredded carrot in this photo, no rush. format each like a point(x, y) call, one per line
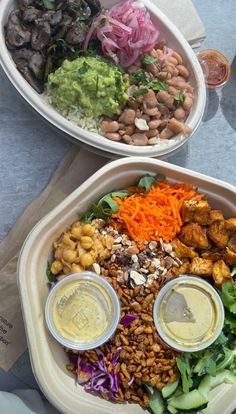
point(157, 214)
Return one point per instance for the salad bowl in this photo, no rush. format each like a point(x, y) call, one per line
point(47, 356)
point(93, 140)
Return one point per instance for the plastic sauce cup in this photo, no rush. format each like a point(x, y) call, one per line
point(82, 311)
point(215, 67)
point(188, 314)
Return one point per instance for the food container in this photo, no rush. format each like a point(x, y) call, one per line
point(97, 142)
point(47, 356)
point(188, 314)
point(215, 66)
point(82, 311)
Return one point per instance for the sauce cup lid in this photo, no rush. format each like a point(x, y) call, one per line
point(188, 314)
point(215, 67)
point(82, 311)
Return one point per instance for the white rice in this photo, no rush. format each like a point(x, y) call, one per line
point(76, 116)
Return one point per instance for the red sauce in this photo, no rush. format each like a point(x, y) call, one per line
point(215, 67)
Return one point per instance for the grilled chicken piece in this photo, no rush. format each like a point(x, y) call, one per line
point(183, 269)
point(194, 235)
point(215, 215)
point(218, 234)
point(182, 250)
point(195, 211)
point(213, 256)
point(221, 273)
point(232, 243)
point(201, 267)
point(229, 257)
point(230, 224)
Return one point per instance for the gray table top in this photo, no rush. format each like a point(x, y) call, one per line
point(30, 150)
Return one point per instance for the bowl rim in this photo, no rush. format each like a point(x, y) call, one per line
point(90, 138)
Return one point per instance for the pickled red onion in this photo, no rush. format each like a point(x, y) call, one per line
point(126, 32)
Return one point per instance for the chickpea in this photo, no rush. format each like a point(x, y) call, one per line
point(56, 267)
point(69, 255)
point(76, 268)
point(86, 242)
point(60, 277)
point(86, 260)
point(67, 241)
point(76, 232)
point(88, 230)
point(58, 253)
point(66, 270)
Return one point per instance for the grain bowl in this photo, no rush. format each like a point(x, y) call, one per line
point(146, 140)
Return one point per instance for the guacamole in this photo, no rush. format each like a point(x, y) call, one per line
point(94, 85)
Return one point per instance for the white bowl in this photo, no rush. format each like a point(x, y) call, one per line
point(175, 40)
point(47, 357)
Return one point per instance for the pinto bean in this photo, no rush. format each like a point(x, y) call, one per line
point(127, 139)
point(154, 123)
point(152, 111)
point(165, 97)
point(153, 141)
point(113, 136)
point(173, 91)
point(139, 139)
point(150, 99)
point(164, 75)
point(183, 71)
point(109, 126)
point(188, 102)
point(128, 116)
point(172, 60)
point(161, 44)
point(179, 114)
point(129, 130)
point(166, 133)
point(181, 85)
point(178, 57)
point(153, 69)
point(178, 127)
point(152, 133)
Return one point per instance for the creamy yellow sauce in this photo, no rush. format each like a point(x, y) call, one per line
point(189, 314)
point(82, 311)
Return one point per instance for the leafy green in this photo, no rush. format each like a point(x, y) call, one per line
point(228, 296)
point(140, 91)
point(139, 76)
point(148, 180)
point(51, 277)
point(230, 322)
point(158, 86)
point(147, 59)
point(49, 4)
point(105, 207)
point(179, 99)
point(233, 272)
point(183, 364)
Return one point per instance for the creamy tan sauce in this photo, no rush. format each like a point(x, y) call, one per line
point(189, 314)
point(82, 311)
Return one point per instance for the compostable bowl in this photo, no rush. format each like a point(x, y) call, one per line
point(47, 356)
point(104, 146)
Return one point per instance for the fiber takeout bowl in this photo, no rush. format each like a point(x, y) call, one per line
point(175, 39)
point(47, 357)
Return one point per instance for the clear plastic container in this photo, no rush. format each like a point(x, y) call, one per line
point(188, 314)
point(215, 67)
point(82, 311)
